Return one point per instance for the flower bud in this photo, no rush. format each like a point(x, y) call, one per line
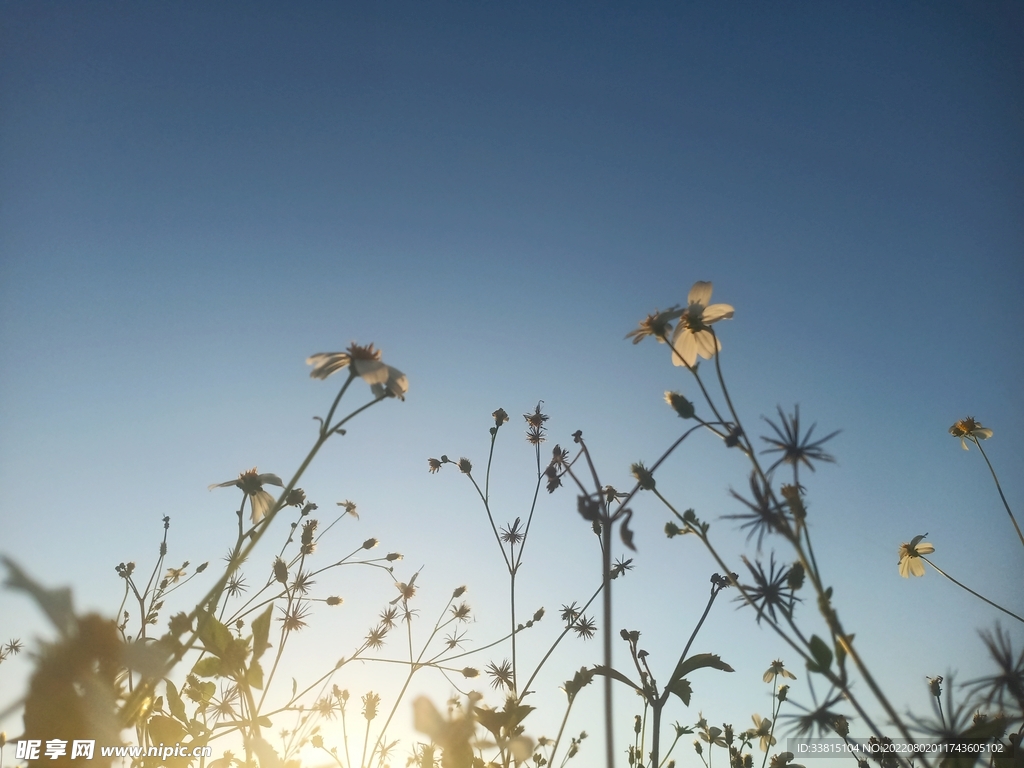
point(680, 405)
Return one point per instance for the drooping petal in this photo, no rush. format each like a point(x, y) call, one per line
point(261, 502)
point(916, 566)
point(269, 478)
point(925, 549)
point(684, 349)
point(371, 371)
point(982, 433)
point(717, 312)
point(396, 386)
point(326, 363)
point(707, 344)
point(700, 293)
point(226, 484)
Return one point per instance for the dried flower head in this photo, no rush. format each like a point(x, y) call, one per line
point(535, 425)
point(501, 674)
point(308, 537)
point(295, 616)
point(370, 703)
point(795, 448)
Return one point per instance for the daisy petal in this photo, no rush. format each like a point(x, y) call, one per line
point(684, 350)
point(700, 293)
point(371, 371)
point(717, 312)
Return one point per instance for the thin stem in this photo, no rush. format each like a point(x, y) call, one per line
point(964, 586)
point(606, 565)
point(1000, 489)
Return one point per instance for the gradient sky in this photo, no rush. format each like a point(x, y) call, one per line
point(195, 197)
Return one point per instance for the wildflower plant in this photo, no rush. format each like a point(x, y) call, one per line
point(212, 673)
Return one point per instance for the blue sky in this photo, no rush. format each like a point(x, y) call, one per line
point(193, 199)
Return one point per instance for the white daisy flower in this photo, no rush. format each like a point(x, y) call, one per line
point(693, 335)
point(910, 556)
point(384, 380)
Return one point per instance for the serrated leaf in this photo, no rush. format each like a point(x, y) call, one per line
point(209, 666)
point(261, 633)
point(254, 675)
point(174, 702)
point(215, 636)
point(682, 689)
point(699, 661)
point(616, 675)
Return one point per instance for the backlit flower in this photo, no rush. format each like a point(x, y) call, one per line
point(252, 483)
point(384, 380)
point(969, 429)
point(693, 335)
point(763, 731)
point(910, 556)
point(658, 325)
point(777, 668)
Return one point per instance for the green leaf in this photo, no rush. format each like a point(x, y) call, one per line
point(616, 675)
point(164, 730)
point(822, 655)
point(682, 689)
point(215, 636)
point(701, 660)
point(174, 702)
point(261, 633)
point(209, 666)
point(254, 675)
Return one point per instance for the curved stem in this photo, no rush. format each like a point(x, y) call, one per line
point(1000, 489)
point(964, 586)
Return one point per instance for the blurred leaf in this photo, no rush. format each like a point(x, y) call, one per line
point(56, 603)
point(261, 633)
point(174, 702)
point(254, 675)
point(215, 636)
point(165, 730)
point(207, 667)
point(822, 655)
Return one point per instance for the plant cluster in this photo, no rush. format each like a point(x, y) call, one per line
point(212, 674)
